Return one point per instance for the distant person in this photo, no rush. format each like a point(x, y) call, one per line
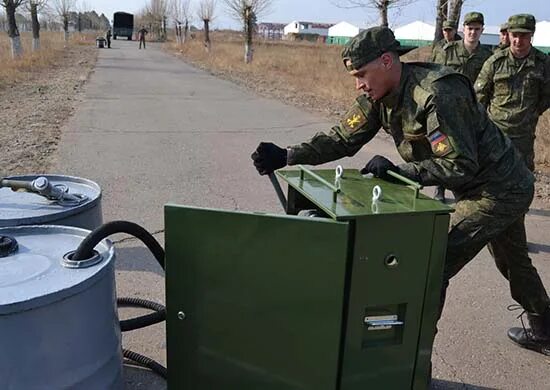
point(504, 39)
point(108, 38)
point(141, 36)
point(449, 29)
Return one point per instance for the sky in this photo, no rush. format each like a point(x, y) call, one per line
point(285, 11)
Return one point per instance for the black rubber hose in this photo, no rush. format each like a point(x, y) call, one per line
point(86, 247)
point(145, 362)
point(158, 316)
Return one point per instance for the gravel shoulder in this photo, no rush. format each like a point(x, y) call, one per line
point(33, 111)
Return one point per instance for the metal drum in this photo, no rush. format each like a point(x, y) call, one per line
point(50, 200)
point(59, 326)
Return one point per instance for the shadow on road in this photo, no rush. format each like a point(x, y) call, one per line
point(438, 384)
point(137, 259)
point(539, 212)
point(537, 248)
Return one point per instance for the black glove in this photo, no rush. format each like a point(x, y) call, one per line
point(379, 167)
point(268, 157)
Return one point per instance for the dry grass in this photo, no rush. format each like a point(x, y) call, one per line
point(52, 45)
point(310, 70)
point(307, 74)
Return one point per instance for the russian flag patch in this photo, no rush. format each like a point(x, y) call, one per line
point(441, 146)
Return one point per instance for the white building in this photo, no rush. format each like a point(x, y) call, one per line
point(415, 34)
point(542, 36)
point(297, 27)
point(342, 32)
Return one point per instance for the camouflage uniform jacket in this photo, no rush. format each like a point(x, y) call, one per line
point(443, 134)
point(438, 53)
point(454, 55)
point(499, 47)
point(516, 92)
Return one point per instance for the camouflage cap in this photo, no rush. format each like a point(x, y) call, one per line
point(521, 23)
point(449, 24)
point(368, 45)
point(503, 27)
point(473, 17)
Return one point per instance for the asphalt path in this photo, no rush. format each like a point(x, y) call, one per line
point(153, 130)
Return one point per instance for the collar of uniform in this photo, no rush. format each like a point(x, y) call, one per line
point(529, 60)
point(392, 99)
point(463, 47)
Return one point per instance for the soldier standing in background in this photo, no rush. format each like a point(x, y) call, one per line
point(449, 35)
point(466, 56)
point(142, 32)
point(514, 86)
point(446, 138)
point(504, 40)
point(108, 36)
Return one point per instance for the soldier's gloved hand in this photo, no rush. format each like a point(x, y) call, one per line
point(268, 157)
point(379, 167)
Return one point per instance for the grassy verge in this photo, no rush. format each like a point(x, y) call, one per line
point(52, 45)
point(305, 74)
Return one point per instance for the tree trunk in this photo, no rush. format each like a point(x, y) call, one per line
point(185, 31)
point(441, 12)
point(455, 10)
point(248, 30)
point(206, 35)
point(66, 27)
point(383, 9)
point(35, 27)
point(13, 32)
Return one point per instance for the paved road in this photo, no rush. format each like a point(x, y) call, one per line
point(153, 130)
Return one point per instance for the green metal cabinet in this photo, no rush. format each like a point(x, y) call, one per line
point(347, 300)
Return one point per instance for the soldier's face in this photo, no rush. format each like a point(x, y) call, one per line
point(449, 34)
point(472, 32)
point(520, 43)
point(504, 38)
point(374, 78)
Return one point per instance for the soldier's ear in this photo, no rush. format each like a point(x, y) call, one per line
point(387, 60)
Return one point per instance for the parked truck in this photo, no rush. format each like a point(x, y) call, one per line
point(123, 25)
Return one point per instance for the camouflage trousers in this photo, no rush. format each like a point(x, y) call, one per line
point(499, 223)
point(526, 148)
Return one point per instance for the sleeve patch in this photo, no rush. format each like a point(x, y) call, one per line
point(354, 120)
point(441, 146)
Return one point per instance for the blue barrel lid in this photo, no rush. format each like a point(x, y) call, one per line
point(24, 208)
point(37, 275)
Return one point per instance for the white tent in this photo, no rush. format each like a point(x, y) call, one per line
point(343, 29)
point(416, 31)
point(542, 34)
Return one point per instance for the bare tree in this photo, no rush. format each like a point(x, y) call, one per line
point(446, 10)
point(13, 32)
point(154, 16)
point(206, 14)
point(63, 9)
point(180, 11)
point(34, 7)
point(382, 6)
point(455, 9)
point(247, 12)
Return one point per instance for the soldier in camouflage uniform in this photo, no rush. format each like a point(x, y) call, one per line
point(449, 35)
point(446, 138)
point(504, 41)
point(466, 57)
point(514, 85)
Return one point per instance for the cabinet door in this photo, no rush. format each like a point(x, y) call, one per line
point(254, 301)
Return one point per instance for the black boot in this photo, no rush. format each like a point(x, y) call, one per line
point(439, 194)
point(537, 338)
